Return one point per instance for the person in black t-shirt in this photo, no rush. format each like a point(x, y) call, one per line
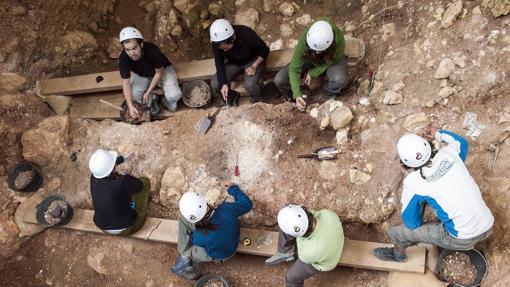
point(120, 201)
point(142, 67)
point(237, 49)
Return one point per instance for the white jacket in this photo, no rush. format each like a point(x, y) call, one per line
point(449, 189)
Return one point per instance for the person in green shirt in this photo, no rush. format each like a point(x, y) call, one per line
point(319, 52)
point(318, 237)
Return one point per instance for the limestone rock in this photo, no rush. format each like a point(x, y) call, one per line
point(341, 136)
point(416, 121)
point(47, 143)
point(11, 83)
point(18, 10)
point(182, 5)
point(25, 228)
point(446, 92)
point(79, 44)
point(388, 31)
point(96, 262)
point(114, 48)
point(398, 86)
point(248, 17)
point(304, 19)
point(286, 30)
point(392, 98)
point(497, 7)
point(445, 69)
point(341, 117)
point(460, 61)
point(292, 43)
point(173, 184)
point(267, 6)
point(325, 121)
point(9, 240)
point(358, 177)
point(287, 9)
point(176, 31)
point(165, 24)
point(452, 12)
point(276, 45)
point(214, 9)
point(314, 113)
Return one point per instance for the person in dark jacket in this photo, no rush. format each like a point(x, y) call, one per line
point(120, 201)
point(237, 49)
point(208, 234)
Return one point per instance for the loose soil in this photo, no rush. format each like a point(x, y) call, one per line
point(143, 111)
point(198, 96)
point(23, 179)
point(458, 268)
point(213, 283)
point(55, 210)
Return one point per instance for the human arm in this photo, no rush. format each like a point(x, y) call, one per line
point(455, 142)
point(252, 69)
point(412, 207)
point(242, 204)
point(295, 67)
point(131, 184)
point(126, 90)
point(219, 63)
point(157, 76)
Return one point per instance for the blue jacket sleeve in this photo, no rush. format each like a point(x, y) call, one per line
point(242, 204)
point(412, 213)
point(457, 141)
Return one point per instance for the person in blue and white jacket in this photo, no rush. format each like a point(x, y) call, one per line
point(206, 233)
point(441, 180)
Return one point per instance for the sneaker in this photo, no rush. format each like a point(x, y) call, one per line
point(388, 254)
point(181, 262)
point(280, 258)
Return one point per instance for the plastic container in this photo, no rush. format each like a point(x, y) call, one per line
point(186, 93)
point(33, 185)
point(477, 259)
point(209, 277)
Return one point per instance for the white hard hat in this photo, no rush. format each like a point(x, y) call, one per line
point(292, 220)
point(193, 206)
point(102, 162)
point(220, 30)
point(414, 151)
point(320, 36)
point(130, 33)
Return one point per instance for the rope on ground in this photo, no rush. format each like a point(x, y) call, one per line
point(383, 10)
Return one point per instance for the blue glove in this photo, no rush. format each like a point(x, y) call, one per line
point(132, 204)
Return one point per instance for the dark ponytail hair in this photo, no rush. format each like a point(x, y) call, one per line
point(205, 224)
point(311, 222)
point(327, 56)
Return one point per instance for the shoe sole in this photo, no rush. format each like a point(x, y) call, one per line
point(282, 260)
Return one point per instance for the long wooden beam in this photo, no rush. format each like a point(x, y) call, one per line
point(356, 253)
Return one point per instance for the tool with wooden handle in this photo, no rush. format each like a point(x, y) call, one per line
point(110, 104)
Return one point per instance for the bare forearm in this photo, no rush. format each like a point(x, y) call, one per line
point(154, 82)
point(126, 90)
point(258, 61)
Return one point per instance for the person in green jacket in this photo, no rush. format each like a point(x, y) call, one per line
point(318, 236)
point(320, 50)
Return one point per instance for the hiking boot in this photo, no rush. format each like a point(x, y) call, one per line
point(180, 263)
point(389, 254)
point(280, 258)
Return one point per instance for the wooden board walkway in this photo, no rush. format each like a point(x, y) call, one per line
point(186, 71)
point(356, 253)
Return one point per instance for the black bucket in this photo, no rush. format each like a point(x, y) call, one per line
point(33, 185)
point(210, 277)
point(477, 259)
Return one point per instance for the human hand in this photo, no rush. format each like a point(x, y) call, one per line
point(429, 133)
point(301, 103)
point(133, 112)
point(250, 71)
point(145, 98)
point(224, 92)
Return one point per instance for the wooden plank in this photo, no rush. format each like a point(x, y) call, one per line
point(406, 279)
point(186, 71)
point(356, 253)
point(89, 107)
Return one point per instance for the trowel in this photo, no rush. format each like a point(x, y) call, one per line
point(204, 124)
point(323, 153)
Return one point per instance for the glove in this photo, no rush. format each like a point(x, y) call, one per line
point(132, 204)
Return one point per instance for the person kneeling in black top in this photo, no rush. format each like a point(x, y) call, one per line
point(120, 201)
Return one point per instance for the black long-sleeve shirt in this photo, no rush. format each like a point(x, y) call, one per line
point(111, 197)
point(247, 46)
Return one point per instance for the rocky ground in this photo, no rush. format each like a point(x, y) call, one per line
point(435, 61)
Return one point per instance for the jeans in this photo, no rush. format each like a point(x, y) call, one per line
point(336, 74)
point(251, 83)
point(433, 233)
point(168, 82)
